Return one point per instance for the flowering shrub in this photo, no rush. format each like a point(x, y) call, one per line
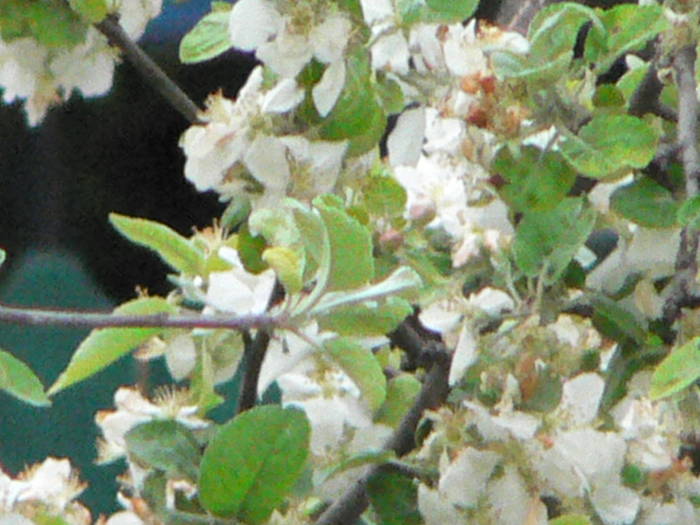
point(449, 343)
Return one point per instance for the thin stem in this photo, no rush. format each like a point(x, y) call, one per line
point(255, 349)
point(148, 69)
point(92, 319)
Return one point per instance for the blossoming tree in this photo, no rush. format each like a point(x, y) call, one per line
point(449, 344)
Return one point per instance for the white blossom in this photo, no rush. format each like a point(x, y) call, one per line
point(282, 45)
point(390, 52)
point(212, 148)
point(238, 291)
point(52, 483)
point(463, 480)
point(325, 94)
point(133, 409)
point(252, 23)
point(285, 96)
point(465, 354)
point(580, 399)
point(181, 356)
point(510, 501)
point(44, 77)
point(134, 15)
point(503, 424)
point(124, 517)
point(435, 507)
point(406, 140)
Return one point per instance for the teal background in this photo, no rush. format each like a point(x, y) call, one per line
point(66, 429)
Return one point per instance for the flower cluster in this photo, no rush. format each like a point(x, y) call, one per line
point(44, 76)
point(41, 493)
point(341, 231)
point(504, 452)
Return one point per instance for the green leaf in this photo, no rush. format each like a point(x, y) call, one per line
point(571, 519)
point(366, 319)
point(689, 213)
point(92, 11)
point(351, 262)
point(546, 395)
point(630, 81)
point(208, 39)
point(554, 30)
point(176, 251)
point(351, 6)
point(513, 65)
point(51, 22)
point(288, 266)
point(250, 249)
point(165, 445)
point(401, 393)
point(646, 203)
point(246, 477)
point(104, 346)
point(276, 225)
point(448, 11)
point(628, 358)
point(535, 180)
point(390, 93)
point(627, 28)
point(615, 322)
point(633, 476)
point(18, 380)
point(608, 96)
point(312, 233)
point(202, 383)
point(42, 517)
point(3, 256)
point(236, 212)
point(409, 11)
point(402, 280)
point(357, 114)
point(384, 196)
point(362, 366)
point(366, 457)
point(552, 238)
point(679, 370)
point(394, 497)
point(552, 36)
point(609, 144)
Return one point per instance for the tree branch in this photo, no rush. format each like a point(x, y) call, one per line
point(255, 349)
point(148, 69)
point(349, 507)
point(254, 352)
point(91, 319)
point(686, 260)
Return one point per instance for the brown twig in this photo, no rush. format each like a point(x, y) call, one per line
point(148, 69)
point(686, 263)
point(91, 319)
point(254, 352)
point(349, 507)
